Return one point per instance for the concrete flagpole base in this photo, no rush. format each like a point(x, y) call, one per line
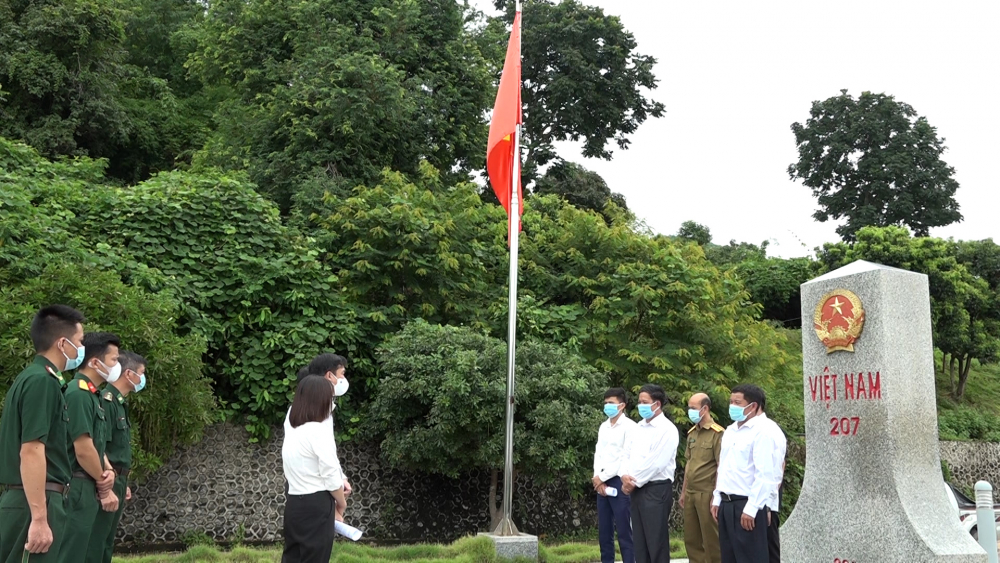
point(512, 547)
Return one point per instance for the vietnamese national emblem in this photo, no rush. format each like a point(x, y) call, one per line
point(838, 320)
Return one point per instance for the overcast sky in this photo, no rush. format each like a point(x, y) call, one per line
point(735, 75)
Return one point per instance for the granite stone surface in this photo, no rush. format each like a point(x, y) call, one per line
point(512, 547)
point(873, 489)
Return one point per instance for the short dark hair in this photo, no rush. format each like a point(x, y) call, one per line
point(618, 393)
point(302, 373)
point(326, 362)
point(131, 361)
point(97, 344)
point(313, 401)
point(752, 394)
point(52, 323)
point(655, 392)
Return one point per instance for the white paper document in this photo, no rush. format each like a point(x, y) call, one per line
point(348, 532)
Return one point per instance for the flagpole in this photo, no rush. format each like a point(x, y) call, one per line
point(506, 526)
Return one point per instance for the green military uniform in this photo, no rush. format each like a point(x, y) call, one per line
point(86, 416)
point(34, 410)
point(701, 531)
point(119, 452)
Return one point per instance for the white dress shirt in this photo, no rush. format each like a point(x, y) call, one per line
point(609, 457)
point(780, 448)
point(309, 459)
point(747, 464)
point(329, 423)
point(652, 451)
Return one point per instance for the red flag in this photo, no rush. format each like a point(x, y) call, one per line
point(503, 125)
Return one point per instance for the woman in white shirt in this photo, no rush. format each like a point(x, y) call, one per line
point(315, 496)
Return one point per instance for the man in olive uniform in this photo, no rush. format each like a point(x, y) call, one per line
point(119, 451)
point(34, 462)
point(704, 444)
point(93, 478)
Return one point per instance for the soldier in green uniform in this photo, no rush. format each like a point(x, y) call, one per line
point(704, 444)
point(34, 461)
point(93, 478)
point(119, 451)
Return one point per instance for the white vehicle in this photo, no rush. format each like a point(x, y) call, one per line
point(965, 510)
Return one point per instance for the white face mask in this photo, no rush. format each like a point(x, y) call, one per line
point(340, 387)
point(112, 374)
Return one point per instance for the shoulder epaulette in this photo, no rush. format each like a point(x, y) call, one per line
point(717, 428)
point(56, 375)
point(693, 428)
point(82, 384)
point(108, 396)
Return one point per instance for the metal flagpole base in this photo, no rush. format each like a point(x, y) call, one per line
point(506, 527)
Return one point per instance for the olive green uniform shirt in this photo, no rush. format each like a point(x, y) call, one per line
point(702, 453)
point(120, 440)
point(86, 416)
point(34, 409)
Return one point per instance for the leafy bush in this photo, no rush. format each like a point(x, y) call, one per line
point(440, 405)
point(965, 423)
point(251, 286)
point(42, 262)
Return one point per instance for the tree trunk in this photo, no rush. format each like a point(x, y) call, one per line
point(951, 374)
point(963, 374)
point(496, 507)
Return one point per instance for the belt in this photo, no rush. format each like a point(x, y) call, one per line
point(660, 482)
point(51, 487)
point(83, 475)
point(120, 470)
point(731, 498)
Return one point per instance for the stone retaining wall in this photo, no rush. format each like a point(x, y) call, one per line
point(230, 489)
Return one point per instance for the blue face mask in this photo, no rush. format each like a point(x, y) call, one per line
point(646, 411)
point(142, 383)
point(694, 415)
point(611, 410)
point(738, 413)
point(74, 363)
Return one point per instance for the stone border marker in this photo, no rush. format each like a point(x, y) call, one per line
point(873, 490)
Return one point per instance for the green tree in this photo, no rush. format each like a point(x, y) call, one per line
point(342, 89)
point(582, 188)
point(404, 250)
point(962, 304)
point(640, 308)
point(695, 232)
point(71, 90)
point(874, 162)
point(728, 256)
point(442, 397)
point(583, 79)
point(774, 283)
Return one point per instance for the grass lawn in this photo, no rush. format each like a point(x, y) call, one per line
point(466, 550)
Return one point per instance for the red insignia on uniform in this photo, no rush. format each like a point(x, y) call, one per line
point(839, 320)
point(91, 387)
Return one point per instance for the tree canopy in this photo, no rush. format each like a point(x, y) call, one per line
point(874, 162)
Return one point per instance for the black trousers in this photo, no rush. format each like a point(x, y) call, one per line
point(739, 545)
point(773, 542)
point(651, 506)
point(309, 533)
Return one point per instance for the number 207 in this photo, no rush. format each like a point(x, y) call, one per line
point(844, 426)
